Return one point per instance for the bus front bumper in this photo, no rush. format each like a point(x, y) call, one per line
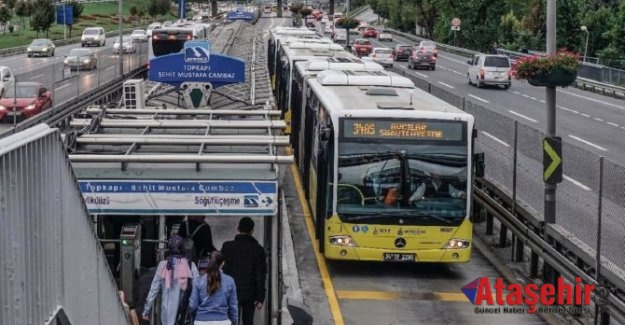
point(336, 252)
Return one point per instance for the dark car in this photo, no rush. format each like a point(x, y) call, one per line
point(402, 52)
point(25, 99)
point(82, 59)
point(421, 58)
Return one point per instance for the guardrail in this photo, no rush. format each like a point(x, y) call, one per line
point(22, 49)
point(61, 113)
point(580, 82)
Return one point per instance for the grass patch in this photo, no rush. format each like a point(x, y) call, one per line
point(103, 14)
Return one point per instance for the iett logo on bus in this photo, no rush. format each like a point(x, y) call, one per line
point(516, 298)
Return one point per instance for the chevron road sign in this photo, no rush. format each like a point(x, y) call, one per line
point(552, 160)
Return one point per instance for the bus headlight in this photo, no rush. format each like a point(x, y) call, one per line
point(342, 241)
point(457, 243)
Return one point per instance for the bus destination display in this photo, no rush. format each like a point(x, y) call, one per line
point(402, 130)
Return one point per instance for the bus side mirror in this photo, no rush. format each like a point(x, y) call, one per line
point(478, 161)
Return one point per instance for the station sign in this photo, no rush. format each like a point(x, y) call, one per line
point(196, 63)
point(218, 198)
point(240, 14)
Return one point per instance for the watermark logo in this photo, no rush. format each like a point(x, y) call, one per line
point(197, 51)
point(499, 298)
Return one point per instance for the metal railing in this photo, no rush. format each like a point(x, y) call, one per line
point(51, 256)
point(512, 190)
point(591, 77)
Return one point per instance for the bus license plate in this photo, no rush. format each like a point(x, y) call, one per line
point(398, 257)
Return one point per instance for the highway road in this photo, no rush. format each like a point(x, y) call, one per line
point(49, 71)
point(588, 120)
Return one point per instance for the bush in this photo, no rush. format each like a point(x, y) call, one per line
point(531, 66)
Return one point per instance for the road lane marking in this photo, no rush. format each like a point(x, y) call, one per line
point(587, 142)
point(516, 92)
point(524, 95)
point(452, 59)
point(523, 116)
point(495, 138)
point(109, 68)
point(613, 124)
point(533, 98)
point(421, 74)
point(37, 76)
point(567, 109)
point(598, 119)
point(578, 183)
point(542, 101)
point(90, 75)
point(480, 99)
point(446, 85)
point(321, 263)
point(64, 86)
point(584, 115)
point(592, 99)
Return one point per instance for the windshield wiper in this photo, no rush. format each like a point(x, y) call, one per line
point(414, 213)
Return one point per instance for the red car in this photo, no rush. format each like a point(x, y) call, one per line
point(370, 32)
point(362, 47)
point(32, 98)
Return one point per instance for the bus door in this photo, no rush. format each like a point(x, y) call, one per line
point(310, 125)
point(271, 56)
point(325, 171)
point(296, 108)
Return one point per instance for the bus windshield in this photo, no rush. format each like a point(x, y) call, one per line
point(165, 41)
point(399, 182)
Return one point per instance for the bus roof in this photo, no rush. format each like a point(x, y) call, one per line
point(374, 99)
point(337, 62)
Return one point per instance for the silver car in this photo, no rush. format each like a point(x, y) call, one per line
point(487, 69)
point(128, 45)
point(40, 47)
point(382, 55)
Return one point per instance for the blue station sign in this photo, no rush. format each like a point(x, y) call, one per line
point(196, 63)
point(65, 15)
point(240, 14)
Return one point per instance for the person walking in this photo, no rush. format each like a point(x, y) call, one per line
point(200, 233)
point(172, 279)
point(214, 296)
point(245, 262)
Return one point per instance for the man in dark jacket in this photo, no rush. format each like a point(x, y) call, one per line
point(201, 235)
point(245, 262)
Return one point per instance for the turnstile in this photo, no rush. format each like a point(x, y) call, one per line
point(130, 261)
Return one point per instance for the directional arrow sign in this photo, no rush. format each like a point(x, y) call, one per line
point(552, 160)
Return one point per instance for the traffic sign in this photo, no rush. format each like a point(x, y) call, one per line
point(65, 15)
point(552, 160)
point(456, 22)
point(455, 27)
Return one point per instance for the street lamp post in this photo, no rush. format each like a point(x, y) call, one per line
point(121, 40)
point(585, 29)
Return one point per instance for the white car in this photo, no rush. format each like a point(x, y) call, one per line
point(329, 29)
point(382, 55)
point(6, 80)
point(151, 27)
point(93, 36)
point(129, 46)
point(382, 36)
point(139, 36)
point(489, 69)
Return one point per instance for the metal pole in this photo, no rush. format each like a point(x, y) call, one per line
point(121, 43)
point(550, 189)
point(64, 24)
point(598, 249)
point(14, 100)
point(275, 264)
point(586, 47)
point(162, 236)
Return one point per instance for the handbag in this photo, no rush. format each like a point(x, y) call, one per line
point(184, 317)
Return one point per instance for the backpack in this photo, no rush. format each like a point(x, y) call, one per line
point(189, 244)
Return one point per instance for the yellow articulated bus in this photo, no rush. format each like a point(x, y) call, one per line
point(388, 169)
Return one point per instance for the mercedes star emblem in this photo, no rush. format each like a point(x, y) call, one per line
point(400, 242)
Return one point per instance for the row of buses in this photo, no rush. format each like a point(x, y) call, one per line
point(386, 168)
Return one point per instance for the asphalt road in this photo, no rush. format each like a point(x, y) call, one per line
point(49, 71)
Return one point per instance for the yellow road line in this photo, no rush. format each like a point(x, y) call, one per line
point(369, 295)
point(321, 263)
point(391, 295)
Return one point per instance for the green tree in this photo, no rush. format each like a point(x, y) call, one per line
point(613, 54)
point(42, 16)
point(134, 11)
point(507, 33)
point(23, 9)
point(426, 16)
point(5, 16)
point(569, 14)
point(598, 29)
point(10, 4)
